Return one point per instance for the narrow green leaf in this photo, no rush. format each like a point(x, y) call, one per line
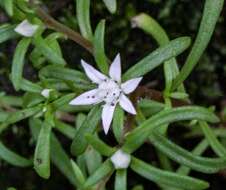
point(78, 173)
point(166, 177)
point(32, 99)
point(212, 139)
point(42, 151)
point(47, 51)
point(184, 157)
point(7, 32)
point(121, 180)
point(29, 86)
point(83, 16)
point(79, 143)
point(99, 145)
point(99, 51)
point(13, 158)
point(8, 4)
point(152, 27)
point(65, 129)
point(111, 5)
point(18, 62)
point(138, 136)
point(20, 115)
point(210, 16)
point(118, 123)
point(105, 169)
point(154, 59)
point(64, 100)
point(79, 120)
point(14, 101)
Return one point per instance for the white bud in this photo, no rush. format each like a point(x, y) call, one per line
point(46, 92)
point(120, 159)
point(26, 29)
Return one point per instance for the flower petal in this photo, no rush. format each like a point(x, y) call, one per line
point(107, 116)
point(126, 104)
point(130, 85)
point(115, 69)
point(94, 75)
point(86, 98)
point(25, 28)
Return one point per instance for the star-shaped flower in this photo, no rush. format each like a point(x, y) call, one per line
point(110, 90)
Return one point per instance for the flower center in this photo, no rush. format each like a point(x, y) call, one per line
point(109, 91)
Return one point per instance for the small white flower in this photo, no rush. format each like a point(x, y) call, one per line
point(120, 159)
point(46, 92)
point(110, 90)
point(25, 28)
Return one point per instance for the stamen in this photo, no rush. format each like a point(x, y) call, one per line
point(93, 96)
point(112, 104)
point(88, 96)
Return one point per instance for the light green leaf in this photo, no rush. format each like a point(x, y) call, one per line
point(138, 136)
point(78, 173)
point(111, 5)
point(165, 177)
point(99, 51)
point(83, 16)
point(79, 143)
point(18, 62)
point(210, 16)
point(13, 158)
point(121, 180)
point(154, 59)
point(118, 123)
point(7, 32)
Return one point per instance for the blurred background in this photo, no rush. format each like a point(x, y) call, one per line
point(206, 85)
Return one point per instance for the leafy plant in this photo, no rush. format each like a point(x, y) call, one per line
point(60, 93)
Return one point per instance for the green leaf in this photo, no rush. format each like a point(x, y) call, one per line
point(50, 54)
point(64, 100)
point(138, 136)
point(118, 123)
point(121, 180)
point(93, 160)
point(154, 59)
point(150, 107)
point(20, 115)
point(32, 99)
point(18, 62)
point(105, 169)
point(65, 129)
point(99, 145)
point(79, 143)
point(83, 16)
point(166, 177)
point(7, 32)
point(111, 5)
point(218, 148)
point(210, 16)
point(8, 4)
point(29, 86)
point(152, 27)
point(78, 173)
point(99, 51)
point(65, 74)
point(179, 95)
point(58, 156)
point(184, 157)
point(13, 158)
point(42, 151)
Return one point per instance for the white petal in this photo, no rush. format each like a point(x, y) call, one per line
point(87, 98)
point(130, 85)
point(126, 104)
point(115, 69)
point(46, 92)
point(120, 159)
point(107, 116)
point(94, 75)
point(25, 28)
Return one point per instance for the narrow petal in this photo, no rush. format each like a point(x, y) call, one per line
point(26, 29)
point(130, 85)
point(126, 104)
point(115, 69)
point(107, 116)
point(94, 75)
point(86, 98)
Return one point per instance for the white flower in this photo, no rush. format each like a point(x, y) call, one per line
point(110, 90)
point(120, 159)
point(25, 28)
point(46, 92)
